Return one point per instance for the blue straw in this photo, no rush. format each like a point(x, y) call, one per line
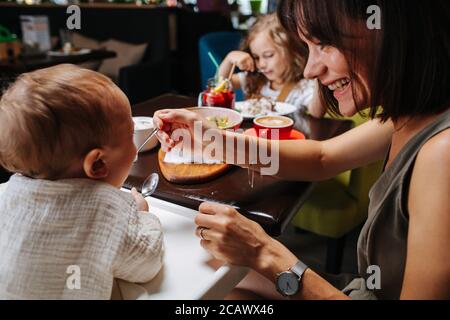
point(213, 60)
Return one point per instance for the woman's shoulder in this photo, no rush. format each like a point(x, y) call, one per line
point(431, 174)
point(435, 153)
point(429, 219)
point(436, 149)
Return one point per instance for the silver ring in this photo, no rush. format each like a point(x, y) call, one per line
point(201, 233)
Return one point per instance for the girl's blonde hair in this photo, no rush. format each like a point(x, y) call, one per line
point(294, 51)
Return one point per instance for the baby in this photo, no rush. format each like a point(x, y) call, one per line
point(66, 230)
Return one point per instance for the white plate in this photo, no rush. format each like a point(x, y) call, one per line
point(62, 54)
point(281, 109)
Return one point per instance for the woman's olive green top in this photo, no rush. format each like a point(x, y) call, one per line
point(383, 240)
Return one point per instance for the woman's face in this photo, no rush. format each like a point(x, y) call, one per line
point(330, 67)
point(268, 57)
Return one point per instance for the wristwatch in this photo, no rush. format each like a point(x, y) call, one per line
point(288, 282)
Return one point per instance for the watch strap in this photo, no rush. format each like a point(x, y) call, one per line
point(299, 269)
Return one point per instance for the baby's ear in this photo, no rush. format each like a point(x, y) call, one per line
point(93, 165)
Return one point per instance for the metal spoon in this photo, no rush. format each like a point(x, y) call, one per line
point(149, 185)
point(151, 135)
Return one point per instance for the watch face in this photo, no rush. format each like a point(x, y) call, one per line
point(287, 283)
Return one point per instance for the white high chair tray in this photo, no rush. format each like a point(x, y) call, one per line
point(188, 271)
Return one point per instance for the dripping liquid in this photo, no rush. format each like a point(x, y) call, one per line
point(251, 176)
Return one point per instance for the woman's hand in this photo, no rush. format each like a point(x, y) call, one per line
point(231, 237)
point(228, 235)
point(242, 60)
point(169, 120)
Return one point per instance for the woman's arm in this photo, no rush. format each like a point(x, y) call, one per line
point(427, 271)
point(237, 240)
point(306, 160)
point(310, 160)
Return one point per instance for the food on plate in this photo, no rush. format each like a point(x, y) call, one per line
point(258, 107)
point(221, 122)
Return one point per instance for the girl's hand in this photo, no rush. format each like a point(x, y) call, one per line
point(142, 205)
point(242, 60)
point(231, 237)
point(169, 120)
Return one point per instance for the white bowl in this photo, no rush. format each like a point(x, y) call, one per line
point(143, 127)
point(234, 118)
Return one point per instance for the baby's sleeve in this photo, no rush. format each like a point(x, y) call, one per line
point(141, 254)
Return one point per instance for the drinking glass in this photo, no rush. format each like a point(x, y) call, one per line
point(217, 95)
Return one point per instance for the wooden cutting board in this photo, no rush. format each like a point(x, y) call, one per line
point(189, 173)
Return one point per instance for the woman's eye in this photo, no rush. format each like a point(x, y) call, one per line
point(322, 45)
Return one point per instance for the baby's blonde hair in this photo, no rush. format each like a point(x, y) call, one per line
point(52, 117)
point(294, 51)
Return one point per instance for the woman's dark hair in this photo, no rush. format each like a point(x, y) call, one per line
point(407, 60)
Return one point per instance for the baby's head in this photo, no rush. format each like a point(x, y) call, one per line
point(66, 122)
point(277, 57)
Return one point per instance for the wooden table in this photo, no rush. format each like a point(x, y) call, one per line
point(271, 202)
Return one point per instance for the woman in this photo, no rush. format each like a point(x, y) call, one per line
point(404, 67)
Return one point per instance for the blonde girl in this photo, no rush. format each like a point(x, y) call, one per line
point(271, 66)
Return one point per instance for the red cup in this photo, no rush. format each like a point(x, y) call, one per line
point(273, 127)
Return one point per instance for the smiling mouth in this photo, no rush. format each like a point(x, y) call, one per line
point(339, 85)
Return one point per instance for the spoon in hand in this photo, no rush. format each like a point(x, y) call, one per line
point(151, 135)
